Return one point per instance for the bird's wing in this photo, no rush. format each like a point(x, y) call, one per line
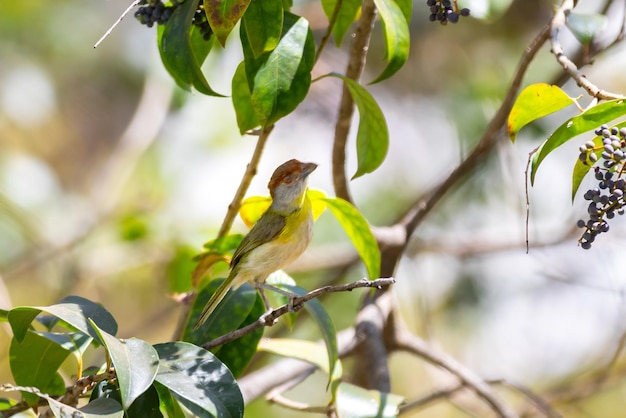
point(268, 227)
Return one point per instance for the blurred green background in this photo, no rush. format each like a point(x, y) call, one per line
point(112, 178)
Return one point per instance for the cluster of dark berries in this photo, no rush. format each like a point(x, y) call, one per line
point(155, 11)
point(201, 22)
point(444, 11)
point(606, 200)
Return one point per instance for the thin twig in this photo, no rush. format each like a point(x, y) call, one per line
point(255, 384)
point(356, 63)
point(539, 402)
point(558, 21)
point(527, 196)
point(249, 174)
point(329, 30)
point(70, 397)
point(430, 398)
point(297, 304)
point(276, 395)
point(117, 22)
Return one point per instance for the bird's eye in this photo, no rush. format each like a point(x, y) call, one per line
point(288, 178)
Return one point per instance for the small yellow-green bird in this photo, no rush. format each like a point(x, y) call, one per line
point(280, 235)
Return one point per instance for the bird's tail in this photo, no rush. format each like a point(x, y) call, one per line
point(215, 300)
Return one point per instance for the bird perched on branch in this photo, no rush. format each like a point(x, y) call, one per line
point(280, 235)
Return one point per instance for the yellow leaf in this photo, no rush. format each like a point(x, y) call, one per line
point(254, 206)
point(318, 205)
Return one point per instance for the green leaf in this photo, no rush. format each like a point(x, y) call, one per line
point(74, 342)
point(237, 354)
point(136, 364)
point(7, 403)
point(585, 26)
point(279, 279)
point(586, 121)
point(198, 380)
point(325, 324)
point(223, 15)
point(34, 362)
point(74, 310)
point(183, 50)
point(534, 102)
point(356, 402)
point(242, 101)
point(106, 389)
point(239, 308)
point(581, 169)
point(397, 36)
point(228, 316)
point(279, 80)
point(224, 245)
point(348, 10)
point(102, 408)
point(372, 138)
point(99, 408)
point(168, 403)
point(359, 232)
point(147, 405)
point(263, 22)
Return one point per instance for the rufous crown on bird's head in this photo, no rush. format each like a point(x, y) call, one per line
point(289, 172)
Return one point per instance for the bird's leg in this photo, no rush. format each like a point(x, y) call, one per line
point(260, 288)
point(290, 295)
point(268, 308)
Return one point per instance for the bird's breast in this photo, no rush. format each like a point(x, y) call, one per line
point(280, 252)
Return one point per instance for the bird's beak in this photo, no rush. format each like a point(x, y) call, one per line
point(308, 168)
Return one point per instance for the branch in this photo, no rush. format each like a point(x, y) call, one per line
point(540, 403)
point(249, 174)
point(494, 131)
point(372, 351)
point(404, 340)
point(70, 397)
point(297, 303)
point(430, 398)
point(358, 53)
point(558, 21)
point(258, 382)
point(276, 396)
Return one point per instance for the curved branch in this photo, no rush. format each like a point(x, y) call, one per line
point(358, 54)
point(494, 131)
point(405, 341)
point(558, 21)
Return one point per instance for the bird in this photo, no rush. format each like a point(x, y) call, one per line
point(277, 239)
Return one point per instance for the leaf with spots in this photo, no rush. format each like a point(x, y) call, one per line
point(223, 15)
